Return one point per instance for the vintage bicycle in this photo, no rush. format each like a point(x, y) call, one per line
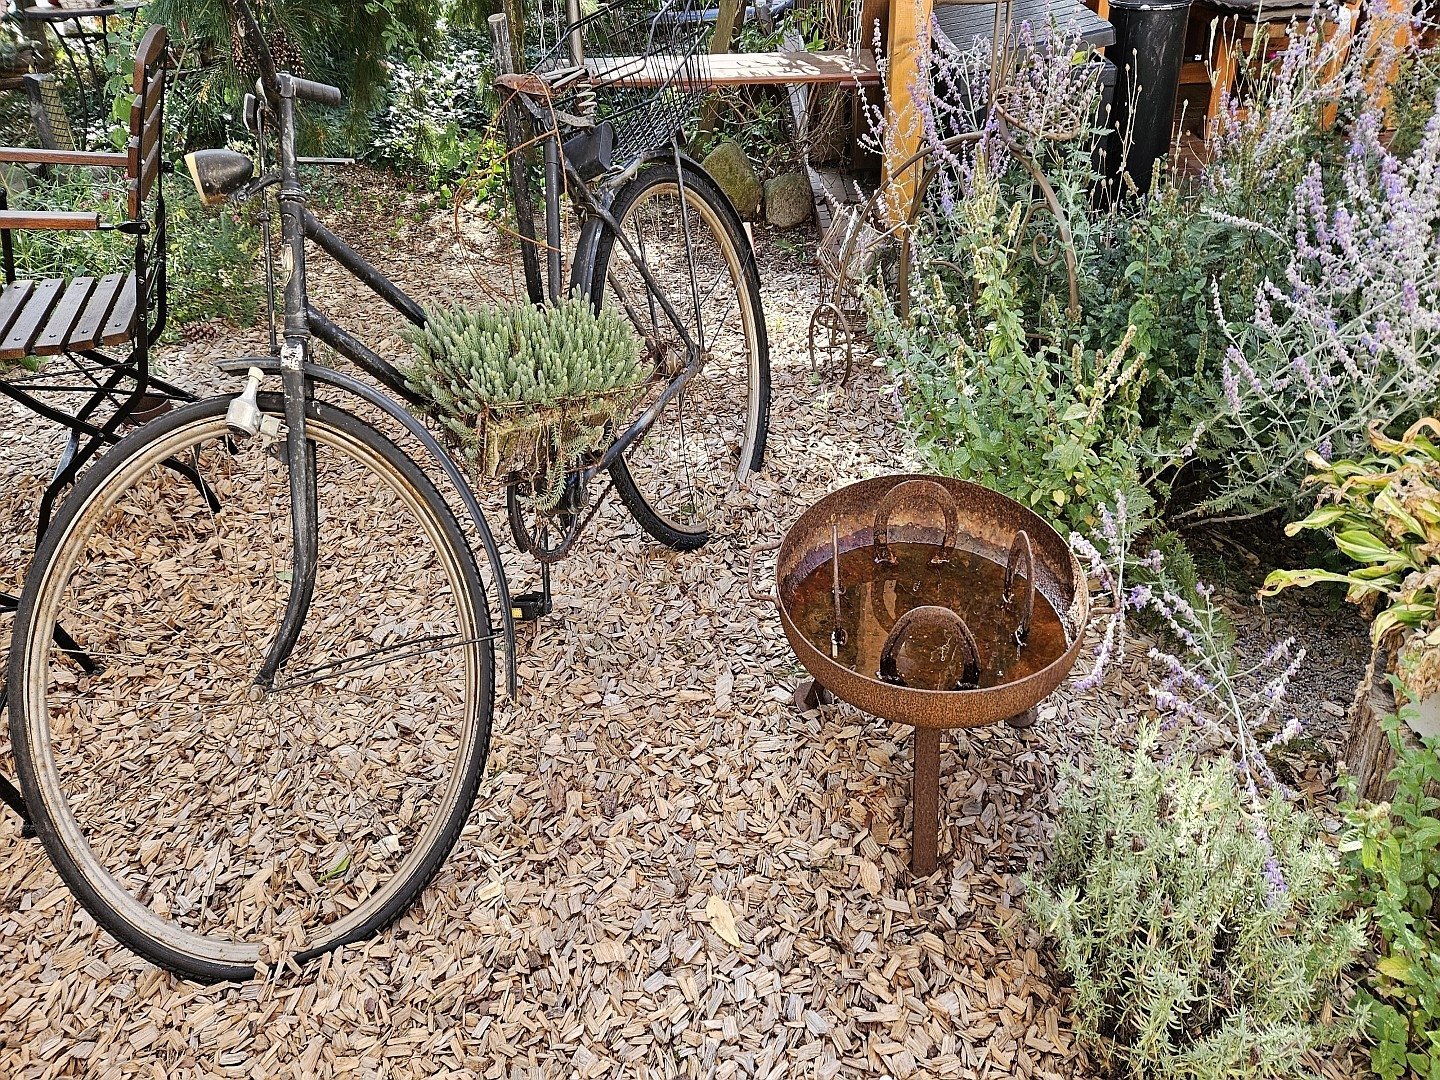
point(252, 675)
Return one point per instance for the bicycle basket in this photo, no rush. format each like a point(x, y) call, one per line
point(644, 70)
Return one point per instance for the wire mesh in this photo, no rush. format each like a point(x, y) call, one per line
point(638, 64)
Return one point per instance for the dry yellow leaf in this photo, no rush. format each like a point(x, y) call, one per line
point(722, 920)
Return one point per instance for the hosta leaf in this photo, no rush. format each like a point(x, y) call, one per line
point(1396, 967)
point(1323, 518)
point(1284, 579)
point(1364, 546)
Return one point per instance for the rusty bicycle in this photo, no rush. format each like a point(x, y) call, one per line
point(251, 697)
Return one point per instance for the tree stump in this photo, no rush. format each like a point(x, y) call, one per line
point(1369, 755)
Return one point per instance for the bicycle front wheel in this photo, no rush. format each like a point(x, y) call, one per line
point(711, 436)
point(211, 824)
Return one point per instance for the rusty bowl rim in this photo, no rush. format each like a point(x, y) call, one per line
point(1077, 613)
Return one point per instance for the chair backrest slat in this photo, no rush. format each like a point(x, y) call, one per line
point(147, 119)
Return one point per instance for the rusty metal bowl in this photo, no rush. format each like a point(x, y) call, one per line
point(984, 519)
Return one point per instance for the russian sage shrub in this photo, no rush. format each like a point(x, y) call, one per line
point(1348, 335)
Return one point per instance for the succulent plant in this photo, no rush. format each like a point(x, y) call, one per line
point(515, 381)
point(473, 359)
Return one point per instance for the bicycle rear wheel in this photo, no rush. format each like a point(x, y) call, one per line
point(209, 824)
point(711, 436)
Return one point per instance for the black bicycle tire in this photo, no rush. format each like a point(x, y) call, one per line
point(663, 172)
point(22, 647)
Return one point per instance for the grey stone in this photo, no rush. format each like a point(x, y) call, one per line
point(788, 200)
point(732, 170)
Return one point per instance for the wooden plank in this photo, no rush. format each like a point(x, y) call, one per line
point(149, 171)
point(47, 219)
point(54, 337)
point(26, 155)
point(86, 334)
point(740, 69)
point(13, 299)
point(150, 135)
point(26, 328)
point(120, 326)
point(909, 43)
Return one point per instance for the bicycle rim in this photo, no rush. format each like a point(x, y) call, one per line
point(209, 825)
point(679, 477)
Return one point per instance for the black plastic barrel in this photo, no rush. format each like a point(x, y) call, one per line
point(1149, 49)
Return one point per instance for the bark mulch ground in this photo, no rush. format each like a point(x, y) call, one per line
point(669, 871)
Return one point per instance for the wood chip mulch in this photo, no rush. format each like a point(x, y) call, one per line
point(669, 870)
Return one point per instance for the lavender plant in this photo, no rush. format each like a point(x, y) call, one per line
point(1193, 906)
point(1206, 699)
point(1159, 898)
point(1003, 385)
point(1347, 336)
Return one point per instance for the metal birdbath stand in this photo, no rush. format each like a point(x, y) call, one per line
point(931, 602)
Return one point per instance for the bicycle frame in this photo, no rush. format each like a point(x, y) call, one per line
point(301, 322)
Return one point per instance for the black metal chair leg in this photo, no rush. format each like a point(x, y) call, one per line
point(68, 644)
point(10, 796)
point(76, 454)
point(9, 793)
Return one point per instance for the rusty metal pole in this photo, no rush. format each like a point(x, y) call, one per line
point(925, 801)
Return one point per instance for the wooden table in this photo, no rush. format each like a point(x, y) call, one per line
point(963, 24)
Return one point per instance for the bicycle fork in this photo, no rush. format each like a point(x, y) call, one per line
point(245, 417)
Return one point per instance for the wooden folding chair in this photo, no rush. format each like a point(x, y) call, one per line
point(103, 327)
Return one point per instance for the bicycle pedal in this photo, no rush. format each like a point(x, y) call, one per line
point(526, 607)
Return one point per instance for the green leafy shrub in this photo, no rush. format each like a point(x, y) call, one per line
point(1276, 299)
point(1202, 932)
point(334, 41)
point(211, 254)
point(1384, 513)
point(1393, 853)
point(436, 118)
point(1000, 390)
point(213, 270)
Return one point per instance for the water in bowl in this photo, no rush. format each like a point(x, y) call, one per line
point(873, 596)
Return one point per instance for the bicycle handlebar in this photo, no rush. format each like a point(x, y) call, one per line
point(307, 90)
point(274, 84)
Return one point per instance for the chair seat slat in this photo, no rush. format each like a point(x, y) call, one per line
point(56, 335)
point(86, 334)
point(15, 295)
point(121, 323)
point(26, 328)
